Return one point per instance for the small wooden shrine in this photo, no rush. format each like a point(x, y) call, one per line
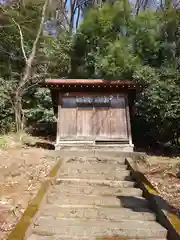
point(93, 112)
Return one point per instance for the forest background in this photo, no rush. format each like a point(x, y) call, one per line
point(91, 39)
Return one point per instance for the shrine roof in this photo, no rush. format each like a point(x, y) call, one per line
point(89, 82)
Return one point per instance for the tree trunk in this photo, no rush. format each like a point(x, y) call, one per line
point(19, 115)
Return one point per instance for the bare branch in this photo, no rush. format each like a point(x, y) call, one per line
point(35, 84)
point(177, 4)
point(65, 3)
point(32, 55)
point(18, 97)
point(37, 76)
point(20, 33)
point(10, 25)
point(34, 48)
point(145, 4)
point(78, 16)
point(73, 7)
point(69, 15)
point(66, 18)
point(138, 6)
point(22, 39)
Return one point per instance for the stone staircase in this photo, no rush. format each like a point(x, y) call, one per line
point(95, 198)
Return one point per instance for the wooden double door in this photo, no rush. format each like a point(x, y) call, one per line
point(97, 118)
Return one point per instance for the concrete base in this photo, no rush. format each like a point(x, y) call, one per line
point(104, 152)
point(106, 147)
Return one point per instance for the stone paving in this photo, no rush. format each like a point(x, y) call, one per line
point(95, 198)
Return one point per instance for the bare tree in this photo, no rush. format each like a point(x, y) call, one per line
point(27, 71)
point(144, 4)
point(69, 12)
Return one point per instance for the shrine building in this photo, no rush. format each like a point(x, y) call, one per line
point(93, 112)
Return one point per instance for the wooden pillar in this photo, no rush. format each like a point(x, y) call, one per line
point(128, 121)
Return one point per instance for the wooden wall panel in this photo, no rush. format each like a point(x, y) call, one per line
point(85, 122)
point(67, 123)
point(118, 118)
point(118, 123)
point(93, 121)
point(102, 116)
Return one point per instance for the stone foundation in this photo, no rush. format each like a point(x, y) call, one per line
point(88, 146)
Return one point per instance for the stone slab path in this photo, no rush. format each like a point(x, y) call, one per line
point(95, 199)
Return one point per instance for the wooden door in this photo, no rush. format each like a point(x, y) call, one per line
point(95, 118)
point(111, 120)
point(102, 123)
point(85, 116)
point(67, 119)
point(85, 126)
point(118, 118)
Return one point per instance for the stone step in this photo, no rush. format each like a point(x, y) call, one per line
point(95, 181)
point(123, 175)
point(105, 201)
point(105, 159)
point(95, 190)
point(111, 214)
point(92, 168)
point(94, 198)
point(92, 228)
point(56, 237)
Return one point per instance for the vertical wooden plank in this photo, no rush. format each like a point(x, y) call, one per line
point(128, 121)
point(67, 118)
point(94, 121)
point(67, 123)
point(118, 124)
point(118, 118)
point(102, 116)
point(85, 122)
point(58, 119)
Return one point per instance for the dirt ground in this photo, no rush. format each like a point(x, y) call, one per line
point(164, 174)
point(22, 169)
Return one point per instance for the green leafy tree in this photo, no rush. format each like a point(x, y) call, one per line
point(57, 55)
point(144, 47)
point(110, 43)
point(100, 43)
point(118, 62)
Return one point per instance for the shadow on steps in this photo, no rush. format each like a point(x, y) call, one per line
point(136, 204)
point(166, 214)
